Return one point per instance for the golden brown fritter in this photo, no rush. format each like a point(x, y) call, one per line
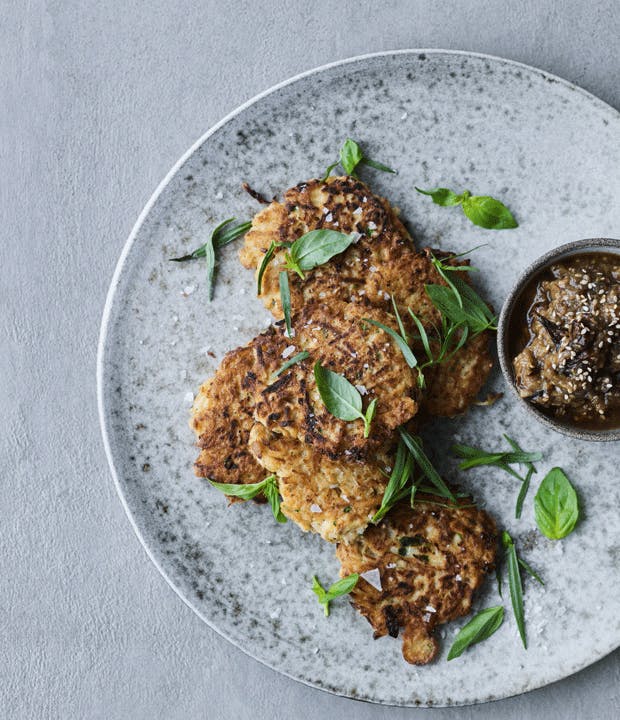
point(383, 264)
point(338, 337)
point(335, 498)
point(344, 204)
point(223, 410)
point(430, 560)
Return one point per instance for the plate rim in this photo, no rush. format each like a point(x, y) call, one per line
point(115, 282)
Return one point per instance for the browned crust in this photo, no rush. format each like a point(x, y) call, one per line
point(431, 560)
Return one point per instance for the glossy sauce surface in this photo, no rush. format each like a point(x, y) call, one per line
point(564, 339)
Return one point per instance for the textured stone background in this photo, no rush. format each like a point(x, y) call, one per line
point(97, 101)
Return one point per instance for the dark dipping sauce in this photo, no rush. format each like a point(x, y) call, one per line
point(565, 341)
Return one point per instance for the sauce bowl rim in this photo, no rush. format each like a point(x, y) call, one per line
point(566, 250)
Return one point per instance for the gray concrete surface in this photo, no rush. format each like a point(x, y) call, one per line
point(97, 102)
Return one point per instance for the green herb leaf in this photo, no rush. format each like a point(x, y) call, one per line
point(442, 196)
point(268, 486)
point(489, 213)
point(410, 358)
point(525, 486)
point(414, 446)
point(289, 363)
point(328, 172)
point(342, 587)
point(350, 156)
point(377, 165)
point(342, 399)
point(462, 305)
point(285, 300)
point(219, 238)
point(267, 258)
point(399, 477)
point(474, 457)
point(530, 570)
point(515, 585)
point(317, 247)
point(368, 417)
point(482, 210)
point(556, 507)
point(479, 628)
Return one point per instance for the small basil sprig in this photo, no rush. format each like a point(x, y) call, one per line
point(268, 486)
point(289, 363)
point(221, 236)
point(482, 210)
point(514, 563)
point(474, 457)
point(317, 247)
point(351, 156)
point(479, 628)
point(342, 587)
point(308, 251)
point(556, 508)
point(342, 399)
point(285, 300)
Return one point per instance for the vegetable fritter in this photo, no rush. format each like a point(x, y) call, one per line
point(334, 498)
point(382, 265)
point(338, 337)
point(428, 561)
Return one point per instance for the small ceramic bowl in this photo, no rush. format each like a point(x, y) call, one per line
point(513, 304)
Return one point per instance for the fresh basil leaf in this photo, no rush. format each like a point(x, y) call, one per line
point(377, 165)
point(268, 486)
point(317, 247)
point(273, 497)
point(267, 258)
point(482, 210)
point(410, 358)
point(442, 196)
point(479, 628)
point(487, 212)
point(340, 398)
point(289, 363)
point(556, 508)
point(415, 448)
point(350, 156)
point(515, 585)
point(339, 588)
point(285, 300)
point(462, 307)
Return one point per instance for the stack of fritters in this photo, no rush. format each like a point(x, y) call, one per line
point(252, 421)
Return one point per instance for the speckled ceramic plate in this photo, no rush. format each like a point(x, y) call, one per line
point(464, 121)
